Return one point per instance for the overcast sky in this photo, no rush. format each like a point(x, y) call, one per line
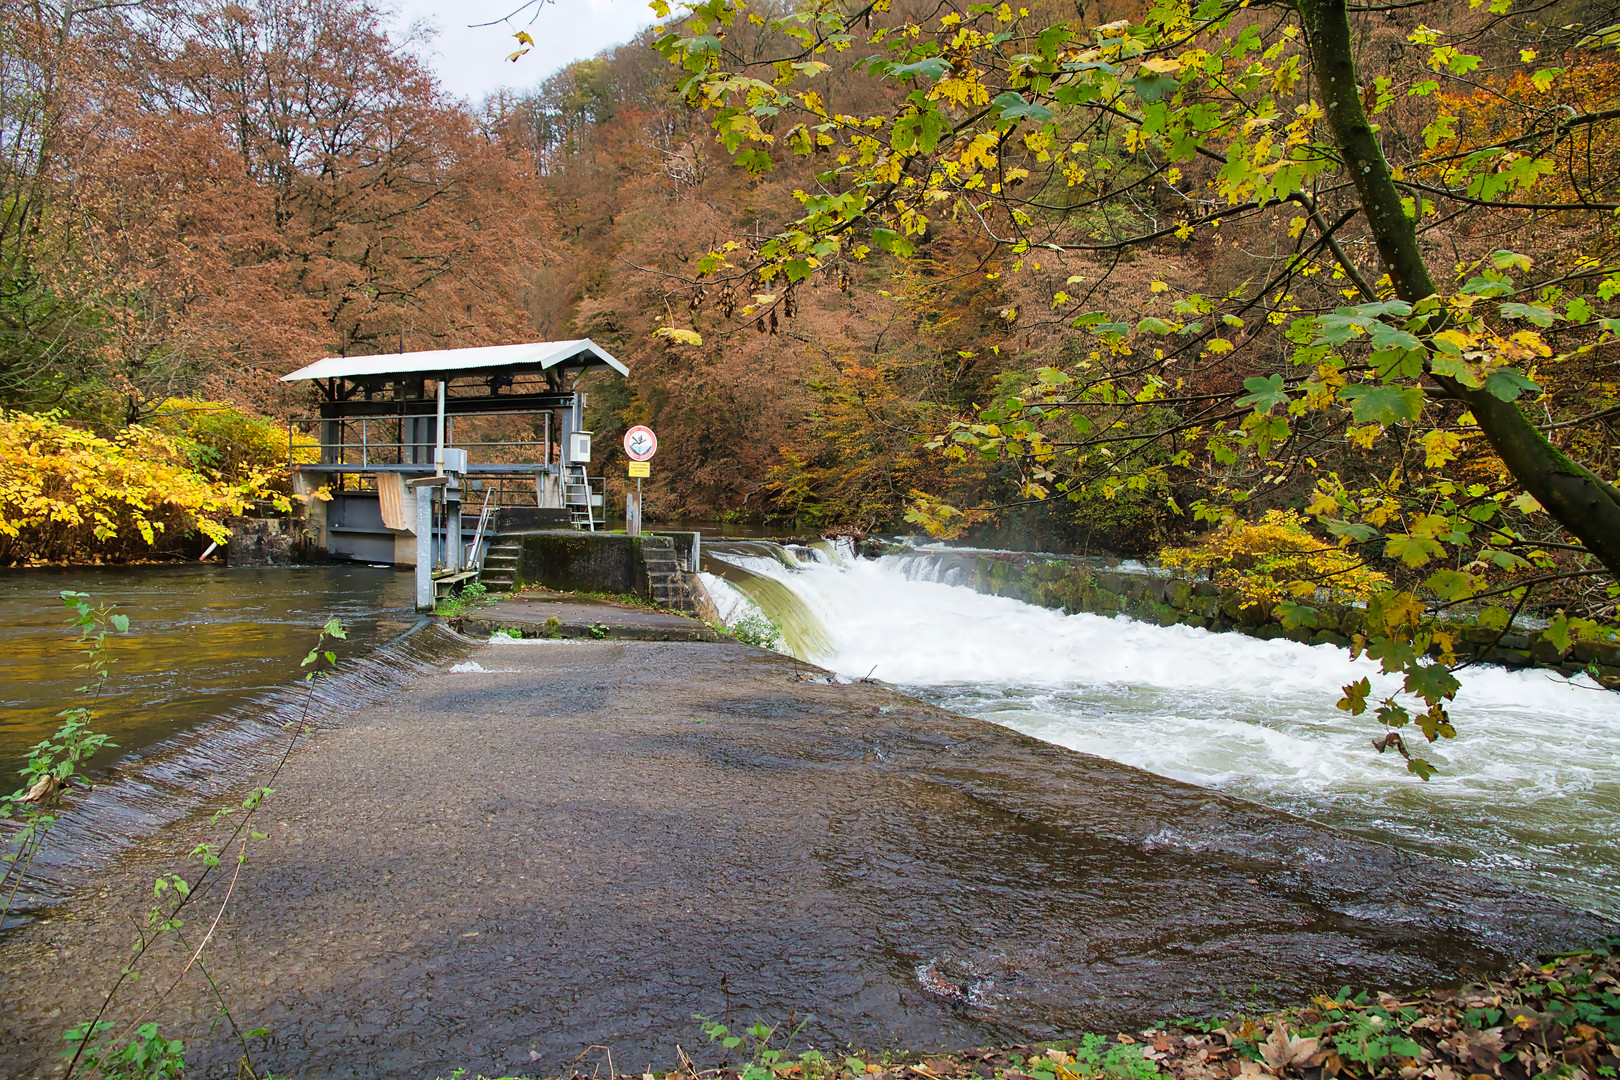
point(472, 63)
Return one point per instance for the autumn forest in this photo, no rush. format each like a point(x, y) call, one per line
point(1122, 278)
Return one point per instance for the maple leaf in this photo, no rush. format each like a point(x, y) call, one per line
point(1282, 1050)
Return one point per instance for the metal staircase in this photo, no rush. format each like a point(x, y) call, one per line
point(581, 499)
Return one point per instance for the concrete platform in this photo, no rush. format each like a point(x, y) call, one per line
point(571, 615)
point(549, 846)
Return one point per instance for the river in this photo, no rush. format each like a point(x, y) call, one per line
point(1528, 790)
point(200, 687)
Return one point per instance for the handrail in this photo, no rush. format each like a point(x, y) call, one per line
point(476, 555)
point(378, 448)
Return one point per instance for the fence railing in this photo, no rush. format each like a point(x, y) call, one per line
point(393, 440)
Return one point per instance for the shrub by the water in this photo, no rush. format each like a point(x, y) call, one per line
point(1275, 557)
point(221, 440)
point(755, 629)
point(70, 495)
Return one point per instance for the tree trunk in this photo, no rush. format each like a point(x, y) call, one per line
point(1581, 502)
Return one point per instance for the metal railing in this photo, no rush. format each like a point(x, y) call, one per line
point(370, 441)
point(475, 554)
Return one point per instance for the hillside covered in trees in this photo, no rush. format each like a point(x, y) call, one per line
point(200, 196)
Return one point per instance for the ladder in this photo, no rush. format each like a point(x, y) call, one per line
point(577, 499)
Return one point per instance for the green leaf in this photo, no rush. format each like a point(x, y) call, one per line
point(1494, 618)
point(1414, 551)
point(1511, 260)
point(1355, 530)
point(933, 68)
point(1508, 383)
point(1384, 405)
point(1294, 615)
point(1014, 107)
point(893, 242)
point(1264, 393)
point(1535, 313)
point(1354, 701)
point(1452, 584)
point(120, 623)
point(1479, 286)
point(1432, 682)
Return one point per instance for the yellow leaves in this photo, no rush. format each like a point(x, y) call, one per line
point(1440, 447)
point(1183, 232)
point(980, 152)
point(1278, 557)
point(1529, 344)
point(1363, 436)
point(1166, 66)
point(1528, 55)
point(1219, 346)
point(1525, 503)
point(1463, 341)
point(679, 335)
point(68, 494)
point(1159, 286)
point(962, 90)
point(1295, 227)
point(1323, 502)
point(1287, 74)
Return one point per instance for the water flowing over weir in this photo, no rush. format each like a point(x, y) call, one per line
point(1527, 792)
point(202, 689)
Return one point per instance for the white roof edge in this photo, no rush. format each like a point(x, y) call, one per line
point(542, 354)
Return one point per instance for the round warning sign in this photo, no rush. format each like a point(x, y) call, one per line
point(640, 443)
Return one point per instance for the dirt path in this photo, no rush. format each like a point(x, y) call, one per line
point(589, 842)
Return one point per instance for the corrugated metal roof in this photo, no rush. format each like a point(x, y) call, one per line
point(534, 354)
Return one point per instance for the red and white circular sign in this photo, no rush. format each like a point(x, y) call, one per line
point(640, 443)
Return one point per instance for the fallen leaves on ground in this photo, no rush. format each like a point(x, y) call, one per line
point(1559, 1020)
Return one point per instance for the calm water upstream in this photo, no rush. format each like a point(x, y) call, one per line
point(1529, 791)
point(203, 641)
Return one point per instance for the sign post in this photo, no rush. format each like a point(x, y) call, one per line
point(640, 444)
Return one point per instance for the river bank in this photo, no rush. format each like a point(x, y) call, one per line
point(568, 844)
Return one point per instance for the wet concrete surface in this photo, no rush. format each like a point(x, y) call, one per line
point(589, 842)
point(570, 615)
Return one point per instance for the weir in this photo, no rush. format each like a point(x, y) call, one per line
point(1524, 791)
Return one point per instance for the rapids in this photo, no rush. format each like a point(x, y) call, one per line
point(1527, 791)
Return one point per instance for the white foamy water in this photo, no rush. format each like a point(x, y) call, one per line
point(1528, 791)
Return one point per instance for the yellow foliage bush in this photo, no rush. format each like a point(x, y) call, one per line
point(1277, 558)
point(221, 440)
point(69, 495)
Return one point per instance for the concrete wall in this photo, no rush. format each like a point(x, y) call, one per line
point(570, 561)
point(272, 541)
point(1075, 584)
